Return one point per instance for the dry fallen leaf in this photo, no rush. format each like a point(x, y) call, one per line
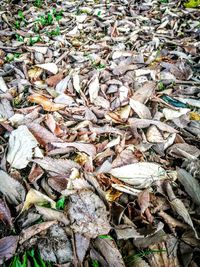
point(5, 214)
point(11, 189)
point(141, 174)
point(55, 79)
point(35, 197)
point(8, 246)
point(22, 146)
point(46, 104)
point(88, 214)
point(51, 67)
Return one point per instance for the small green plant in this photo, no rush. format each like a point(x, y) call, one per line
point(105, 237)
point(58, 14)
point(21, 18)
point(30, 256)
point(55, 32)
point(192, 3)
point(161, 86)
point(60, 204)
point(95, 263)
point(10, 57)
point(34, 39)
point(141, 254)
point(37, 3)
point(19, 38)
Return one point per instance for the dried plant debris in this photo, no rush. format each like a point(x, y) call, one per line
point(99, 133)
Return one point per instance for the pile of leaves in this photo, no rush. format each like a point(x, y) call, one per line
point(99, 133)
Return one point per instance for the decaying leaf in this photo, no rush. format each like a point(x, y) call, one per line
point(184, 150)
point(11, 189)
point(180, 208)
point(94, 88)
point(55, 79)
point(88, 214)
point(46, 104)
point(8, 246)
point(57, 248)
point(22, 145)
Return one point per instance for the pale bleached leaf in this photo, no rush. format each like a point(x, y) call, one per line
point(21, 146)
point(51, 67)
point(141, 174)
point(140, 109)
point(94, 88)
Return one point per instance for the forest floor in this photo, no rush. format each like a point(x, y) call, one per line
point(99, 133)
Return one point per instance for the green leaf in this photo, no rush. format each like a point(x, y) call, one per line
point(105, 237)
point(192, 4)
point(21, 15)
point(95, 263)
point(60, 203)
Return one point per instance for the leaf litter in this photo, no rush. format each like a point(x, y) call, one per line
point(100, 131)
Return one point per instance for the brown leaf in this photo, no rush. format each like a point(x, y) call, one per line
point(144, 200)
point(183, 150)
point(5, 214)
point(55, 79)
point(27, 233)
point(83, 147)
point(57, 166)
point(8, 247)
point(44, 102)
point(51, 214)
point(110, 252)
point(42, 135)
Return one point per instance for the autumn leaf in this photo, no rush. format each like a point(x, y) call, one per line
point(47, 104)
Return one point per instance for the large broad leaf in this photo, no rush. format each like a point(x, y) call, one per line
point(21, 146)
point(140, 174)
